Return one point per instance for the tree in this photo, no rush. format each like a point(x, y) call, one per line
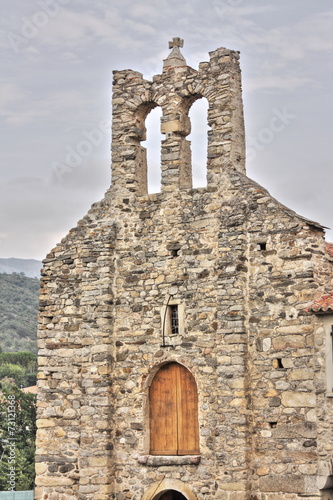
point(12, 364)
point(17, 438)
point(12, 371)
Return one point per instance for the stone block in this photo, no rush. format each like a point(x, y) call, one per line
point(300, 374)
point(240, 495)
point(69, 413)
point(288, 483)
point(40, 468)
point(56, 481)
point(288, 342)
point(233, 486)
point(294, 399)
point(45, 422)
point(98, 461)
point(308, 469)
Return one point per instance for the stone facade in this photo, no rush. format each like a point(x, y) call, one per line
point(242, 269)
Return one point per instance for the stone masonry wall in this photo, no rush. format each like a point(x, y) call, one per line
point(244, 270)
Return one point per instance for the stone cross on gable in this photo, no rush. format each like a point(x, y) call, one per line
point(175, 58)
point(176, 42)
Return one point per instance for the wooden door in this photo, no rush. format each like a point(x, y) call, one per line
point(173, 412)
point(163, 411)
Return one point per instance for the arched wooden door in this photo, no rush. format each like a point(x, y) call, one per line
point(173, 402)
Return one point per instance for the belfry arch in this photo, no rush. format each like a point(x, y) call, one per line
point(152, 143)
point(198, 115)
point(175, 90)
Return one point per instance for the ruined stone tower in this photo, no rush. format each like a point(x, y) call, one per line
point(184, 336)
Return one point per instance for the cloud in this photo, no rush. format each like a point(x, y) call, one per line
point(296, 41)
point(278, 52)
point(233, 8)
point(10, 94)
point(29, 203)
point(288, 82)
point(78, 29)
point(20, 107)
point(150, 10)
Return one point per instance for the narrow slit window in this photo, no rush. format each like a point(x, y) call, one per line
point(174, 319)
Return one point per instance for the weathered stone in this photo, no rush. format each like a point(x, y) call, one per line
point(283, 484)
point(288, 342)
point(40, 468)
point(298, 399)
point(54, 481)
point(45, 422)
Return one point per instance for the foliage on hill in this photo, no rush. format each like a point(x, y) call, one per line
point(18, 312)
point(20, 367)
point(17, 438)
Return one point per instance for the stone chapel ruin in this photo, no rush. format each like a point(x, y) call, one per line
point(185, 337)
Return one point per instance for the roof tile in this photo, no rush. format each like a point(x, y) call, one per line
point(329, 249)
point(322, 305)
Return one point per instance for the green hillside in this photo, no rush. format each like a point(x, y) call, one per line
point(18, 313)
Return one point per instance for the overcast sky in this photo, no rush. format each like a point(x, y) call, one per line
point(55, 94)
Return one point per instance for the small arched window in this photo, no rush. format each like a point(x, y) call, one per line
point(173, 403)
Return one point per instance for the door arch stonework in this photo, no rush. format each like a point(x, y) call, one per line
point(159, 488)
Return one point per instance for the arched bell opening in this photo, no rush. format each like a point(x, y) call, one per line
point(152, 143)
point(146, 135)
point(198, 114)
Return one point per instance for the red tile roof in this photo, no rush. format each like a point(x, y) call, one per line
point(329, 249)
point(322, 305)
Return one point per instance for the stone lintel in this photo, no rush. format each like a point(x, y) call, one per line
point(157, 460)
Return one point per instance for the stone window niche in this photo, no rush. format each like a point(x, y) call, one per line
point(262, 247)
point(174, 249)
point(172, 320)
point(278, 364)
